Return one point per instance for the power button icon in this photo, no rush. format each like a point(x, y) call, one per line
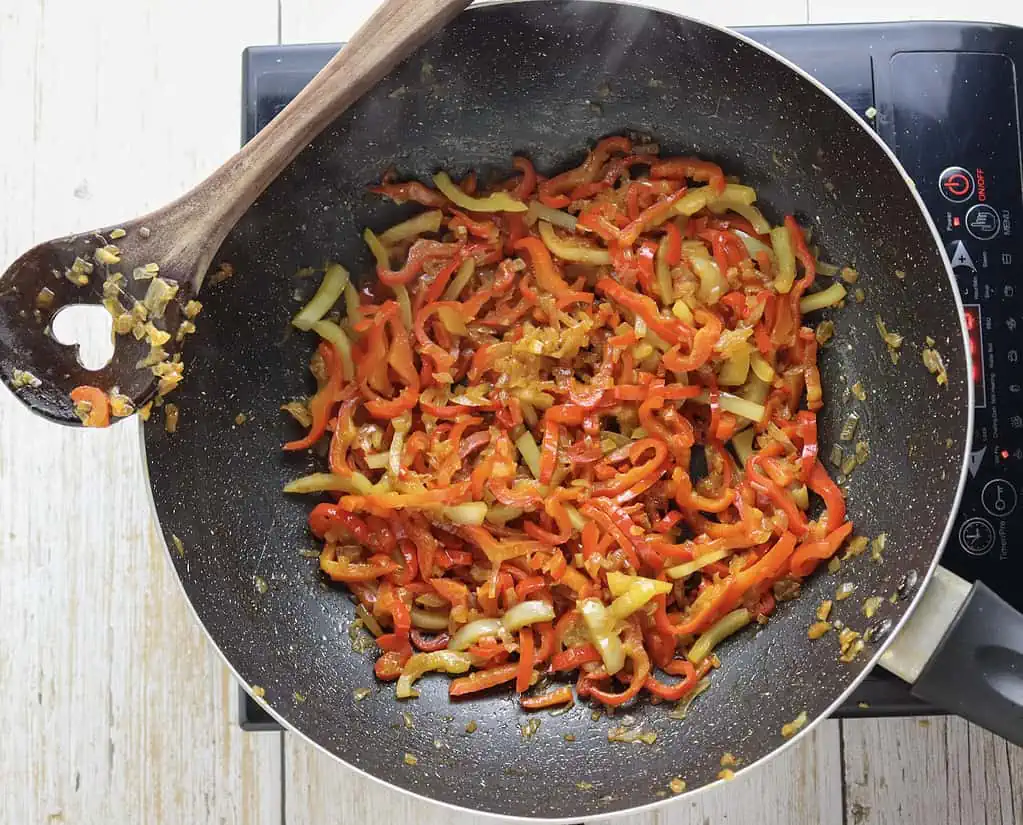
point(956, 184)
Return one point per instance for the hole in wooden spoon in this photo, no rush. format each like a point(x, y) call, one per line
point(91, 328)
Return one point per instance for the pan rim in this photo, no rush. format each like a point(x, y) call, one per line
point(882, 647)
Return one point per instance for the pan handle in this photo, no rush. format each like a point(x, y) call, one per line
point(962, 650)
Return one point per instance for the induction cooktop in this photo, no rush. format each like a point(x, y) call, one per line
point(944, 96)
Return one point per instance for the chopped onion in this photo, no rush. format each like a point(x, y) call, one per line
point(761, 368)
point(754, 245)
point(849, 427)
point(712, 282)
point(376, 461)
point(527, 613)
point(686, 569)
point(471, 633)
point(680, 309)
point(601, 627)
point(372, 625)
point(428, 619)
point(723, 628)
point(682, 708)
point(469, 512)
point(825, 298)
point(748, 211)
point(619, 583)
point(420, 663)
point(334, 282)
point(741, 406)
point(502, 513)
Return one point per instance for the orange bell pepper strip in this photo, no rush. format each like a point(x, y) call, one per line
point(322, 403)
point(483, 680)
point(808, 555)
point(547, 276)
point(390, 408)
point(342, 570)
point(561, 696)
point(634, 650)
point(420, 252)
point(623, 481)
point(696, 169)
point(411, 191)
point(549, 450)
point(805, 257)
point(821, 483)
point(671, 330)
point(95, 405)
point(703, 344)
point(691, 676)
point(526, 653)
point(807, 431)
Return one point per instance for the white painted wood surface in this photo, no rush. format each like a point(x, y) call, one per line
point(114, 707)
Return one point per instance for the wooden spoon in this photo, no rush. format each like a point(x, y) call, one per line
point(146, 270)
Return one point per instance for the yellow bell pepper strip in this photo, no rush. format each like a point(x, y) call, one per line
point(497, 202)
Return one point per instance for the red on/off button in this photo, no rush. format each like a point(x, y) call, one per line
point(956, 184)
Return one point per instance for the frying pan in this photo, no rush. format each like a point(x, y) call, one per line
point(546, 79)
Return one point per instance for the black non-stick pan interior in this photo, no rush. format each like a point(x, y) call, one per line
point(547, 79)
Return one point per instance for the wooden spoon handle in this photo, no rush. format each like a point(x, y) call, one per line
point(203, 217)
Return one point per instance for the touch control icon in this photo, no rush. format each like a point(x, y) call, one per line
point(982, 222)
point(998, 497)
point(977, 536)
point(956, 184)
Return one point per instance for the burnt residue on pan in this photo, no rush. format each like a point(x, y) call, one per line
point(537, 78)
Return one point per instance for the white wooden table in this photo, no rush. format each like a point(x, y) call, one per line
point(113, 707)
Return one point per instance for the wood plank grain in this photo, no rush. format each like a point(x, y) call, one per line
point(801, 786)
point(115, 707)
point(312, 21)
point(936, 769)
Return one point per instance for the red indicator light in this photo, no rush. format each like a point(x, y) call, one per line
point(955, 221)
point(1005, 453)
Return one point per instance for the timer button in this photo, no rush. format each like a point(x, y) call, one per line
point(982, 222)
point(956, 184)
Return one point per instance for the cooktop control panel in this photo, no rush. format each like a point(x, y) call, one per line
point(955, 126)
